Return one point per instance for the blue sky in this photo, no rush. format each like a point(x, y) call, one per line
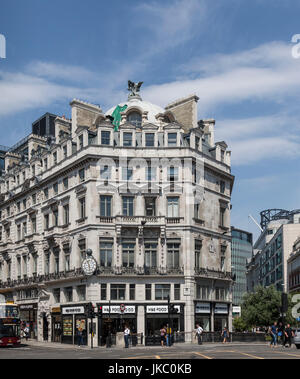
point(234, 54)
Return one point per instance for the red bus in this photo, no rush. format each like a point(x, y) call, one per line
point(9, 325)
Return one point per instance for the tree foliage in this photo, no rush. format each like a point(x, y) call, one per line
point(262, 307)
point(239, 324)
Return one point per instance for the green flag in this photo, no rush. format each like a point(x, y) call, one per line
point(117, 116)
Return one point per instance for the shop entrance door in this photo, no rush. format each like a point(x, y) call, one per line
point(45, 328)
point(56, 329)
point(220, 322)
point(155, 322)
point(117, 325)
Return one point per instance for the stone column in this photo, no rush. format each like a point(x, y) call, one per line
point(141, 321)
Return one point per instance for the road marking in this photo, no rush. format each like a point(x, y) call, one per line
point(292, 355)
point(249, 355)
point(202, 355)
point(145, 356)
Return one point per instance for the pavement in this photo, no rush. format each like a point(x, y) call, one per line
point(32, 349)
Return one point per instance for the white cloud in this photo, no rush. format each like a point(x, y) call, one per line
point(274, 124)
point(170, 24)
point(249, 151)
point(266, 73)
point(59, 71)
point(21, 92)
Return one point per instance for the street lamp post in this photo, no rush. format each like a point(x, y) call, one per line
point(108, 339)
point(168, 331)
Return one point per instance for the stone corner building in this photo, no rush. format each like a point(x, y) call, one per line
point(158, 225)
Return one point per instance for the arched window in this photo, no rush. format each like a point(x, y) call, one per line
point(134, 118)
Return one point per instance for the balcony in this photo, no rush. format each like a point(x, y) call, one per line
point(138, 220)
point(105, 220)
point(174, 270)
point(8, 245)
point(214, 274)
point(139, 270)
point(51, 231)
point(29, 238)
point(63, 275)
point(174, 220)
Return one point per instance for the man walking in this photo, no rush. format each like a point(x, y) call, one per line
point(199, 332)
point(126, 336)
point(280, 333)
point(26, 331)
point(80, 336)
point(288, 335)
point(169, 335)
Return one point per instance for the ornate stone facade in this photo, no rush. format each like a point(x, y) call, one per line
point(152, 201)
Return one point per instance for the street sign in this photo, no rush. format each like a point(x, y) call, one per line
point(122, 308)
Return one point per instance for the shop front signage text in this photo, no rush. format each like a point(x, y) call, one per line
point(203, 308)
point(160, 308)
point(73, 310)
point(116, 309)
point(28, 306)
point(221, 308)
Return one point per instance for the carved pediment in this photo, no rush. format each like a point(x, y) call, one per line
point(43, 294)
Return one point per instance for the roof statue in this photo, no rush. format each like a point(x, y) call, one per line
point(134, 89)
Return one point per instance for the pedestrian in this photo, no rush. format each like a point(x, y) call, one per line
point(281, 334)
point(273, 330)
point(288, 332)
point(80, 337)
point(26, 332)
point(225, 334)
point(169, 332)
point(126, 336)
point(199, 332)
point(163, 332)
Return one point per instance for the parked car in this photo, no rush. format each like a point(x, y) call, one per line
point(297, 338)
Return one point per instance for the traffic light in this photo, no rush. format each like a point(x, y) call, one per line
point(284, 302)
point(173, 310)
point(100, 310)
point(90, 310)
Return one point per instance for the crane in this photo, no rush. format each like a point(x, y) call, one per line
point(253, 219)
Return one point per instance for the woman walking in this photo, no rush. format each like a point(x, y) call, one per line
point(273, 330)
point(225, 334)
point(163, 336)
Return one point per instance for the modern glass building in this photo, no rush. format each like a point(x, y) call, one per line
point(241, 251)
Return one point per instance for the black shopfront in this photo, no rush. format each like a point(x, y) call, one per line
point(56, 324)
point(112, 321)
point(28, 316)
point(157, 317)
point(73, 319)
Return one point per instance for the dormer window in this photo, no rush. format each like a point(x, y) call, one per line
point(127, 139)
point(105, 137)
point(135, 118)
point(80, 139)
point(149, 139)
point(55, 158)
point(65, 151)
point(172, 139)
point(222, 155)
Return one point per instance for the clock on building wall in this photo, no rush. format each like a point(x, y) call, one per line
point(89, 264)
